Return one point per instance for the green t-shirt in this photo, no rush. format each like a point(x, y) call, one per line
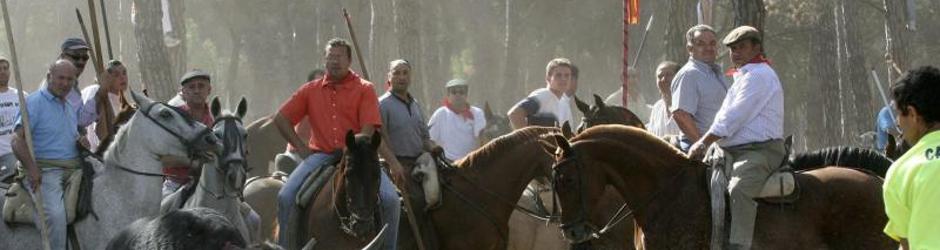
point(912, 195)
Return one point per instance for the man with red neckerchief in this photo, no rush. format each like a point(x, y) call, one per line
point(749, 127)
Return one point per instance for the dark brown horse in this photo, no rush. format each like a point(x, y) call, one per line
point(838, 208)
point(600, 113)
point(482, 189)
point(496, 125)
point(345, 213)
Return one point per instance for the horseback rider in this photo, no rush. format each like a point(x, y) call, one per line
point(661, 122)
point(9, 109)
point(54, 129)
point(546, 106)
point(699, 87)
point(118, 75)
point(749, 126)
point(456, 126)
point(333, 105)
point(195, 87)
point(407, 134)
point(911, 188)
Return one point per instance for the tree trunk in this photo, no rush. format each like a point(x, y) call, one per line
point(854, 74)
point(154, 64)
point(899, 36)
point(681, 17)
point(749, 12)
point(824, 123)
point(177, 54)
point(511, 58)
point(407, 18)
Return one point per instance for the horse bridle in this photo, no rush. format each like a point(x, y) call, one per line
point(191, 151)
point(226, 163)
point(582, 225)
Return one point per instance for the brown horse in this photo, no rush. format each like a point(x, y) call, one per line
point(496, 125)
point(838, 208)
point(481, 191)
point(344, 215)
point(600, 114)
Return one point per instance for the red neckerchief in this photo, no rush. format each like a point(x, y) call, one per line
point(757, 59)
point(466, 114)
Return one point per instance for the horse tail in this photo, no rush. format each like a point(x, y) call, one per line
point(850, 157)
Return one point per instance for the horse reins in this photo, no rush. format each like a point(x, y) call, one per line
point(186, 142)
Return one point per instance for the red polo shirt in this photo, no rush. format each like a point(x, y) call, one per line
point(332, 109)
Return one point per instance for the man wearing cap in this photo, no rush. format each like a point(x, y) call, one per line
point(194, 90)
point(75, 50)
point(548, 106)
point(53, 125)
point(333, 105)
point(699, 86)
point(9, 109)
point(456, 125)
point(749, 126)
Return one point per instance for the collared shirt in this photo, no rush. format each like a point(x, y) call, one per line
point(404, 122)
point(661, 122)
point(912, 194)
point(543, 102)
point(699, 89)
point(75, 99)
point(455, 133)
point(332, 109)
point(753, 110)
point(54, 126)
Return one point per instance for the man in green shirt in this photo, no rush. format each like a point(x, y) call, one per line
point(912, 186)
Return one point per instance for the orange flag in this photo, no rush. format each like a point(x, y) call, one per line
point(634, 17)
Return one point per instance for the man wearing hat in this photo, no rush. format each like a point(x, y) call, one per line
point(748, 126)
point(456, 125)
point(75, 50)
point(194, 90)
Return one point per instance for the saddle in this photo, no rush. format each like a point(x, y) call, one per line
point(425, 172)
point(780, 188)
point(309, 190)
point(18, 207)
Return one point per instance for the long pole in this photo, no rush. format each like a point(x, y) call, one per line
point(96, 36)
point(352, 35)
point(43, 229)
point(107, 32)
point(99, 67)
point(643, 40)
point(625, 75)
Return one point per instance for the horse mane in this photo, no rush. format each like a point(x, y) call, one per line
point(502, 143)
point(852, 157)
point(630, 137)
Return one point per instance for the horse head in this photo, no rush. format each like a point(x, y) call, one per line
point(360, 173)
point(572, 182)
point(496, 125)
point(600, 113)
point(168, 131)
point(231, 158)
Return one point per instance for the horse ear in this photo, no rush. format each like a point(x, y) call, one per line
point(350, 139)
point(566, 130)
point(487, 112)
point(584, 107)
point(141, 100)
point(598, 101)
point(376, 140)
point(215, 107)
point(562, 144)
point(242, 108)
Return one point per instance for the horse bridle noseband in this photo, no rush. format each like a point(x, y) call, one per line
point(582, 221)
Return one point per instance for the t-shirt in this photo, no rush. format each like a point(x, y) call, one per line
point(404, 123)
point(912, 195)
point(9, 108)
point(455, 133)
point(543, 104)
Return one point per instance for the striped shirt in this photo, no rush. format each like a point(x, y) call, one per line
point(753, 109)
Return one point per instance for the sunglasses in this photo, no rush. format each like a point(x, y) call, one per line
point(78, 57)
point(459, 92)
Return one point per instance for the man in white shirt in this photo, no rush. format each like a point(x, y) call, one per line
point(9, 108)
point(661, 122)
point(456, 125)
point(118, 75)
point(547, 106)
point(749, 126)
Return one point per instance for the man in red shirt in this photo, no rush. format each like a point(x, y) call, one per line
point(337, 103)
point(195, 87)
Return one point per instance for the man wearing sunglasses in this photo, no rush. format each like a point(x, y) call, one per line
point(456, 125)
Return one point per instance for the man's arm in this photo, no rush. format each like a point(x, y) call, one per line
point(517, 117)
point(21, 151)
point(397, 172)
point(686, 125)
point(287, 132)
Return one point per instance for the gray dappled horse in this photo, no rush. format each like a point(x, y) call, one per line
point(220, 182)
point(129, 187)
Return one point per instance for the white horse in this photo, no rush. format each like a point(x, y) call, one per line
point(129, 187)
point(220, 183)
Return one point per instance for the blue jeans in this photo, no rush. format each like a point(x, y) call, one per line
point(685, 144)
point(53, 204)
point(388, 196)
